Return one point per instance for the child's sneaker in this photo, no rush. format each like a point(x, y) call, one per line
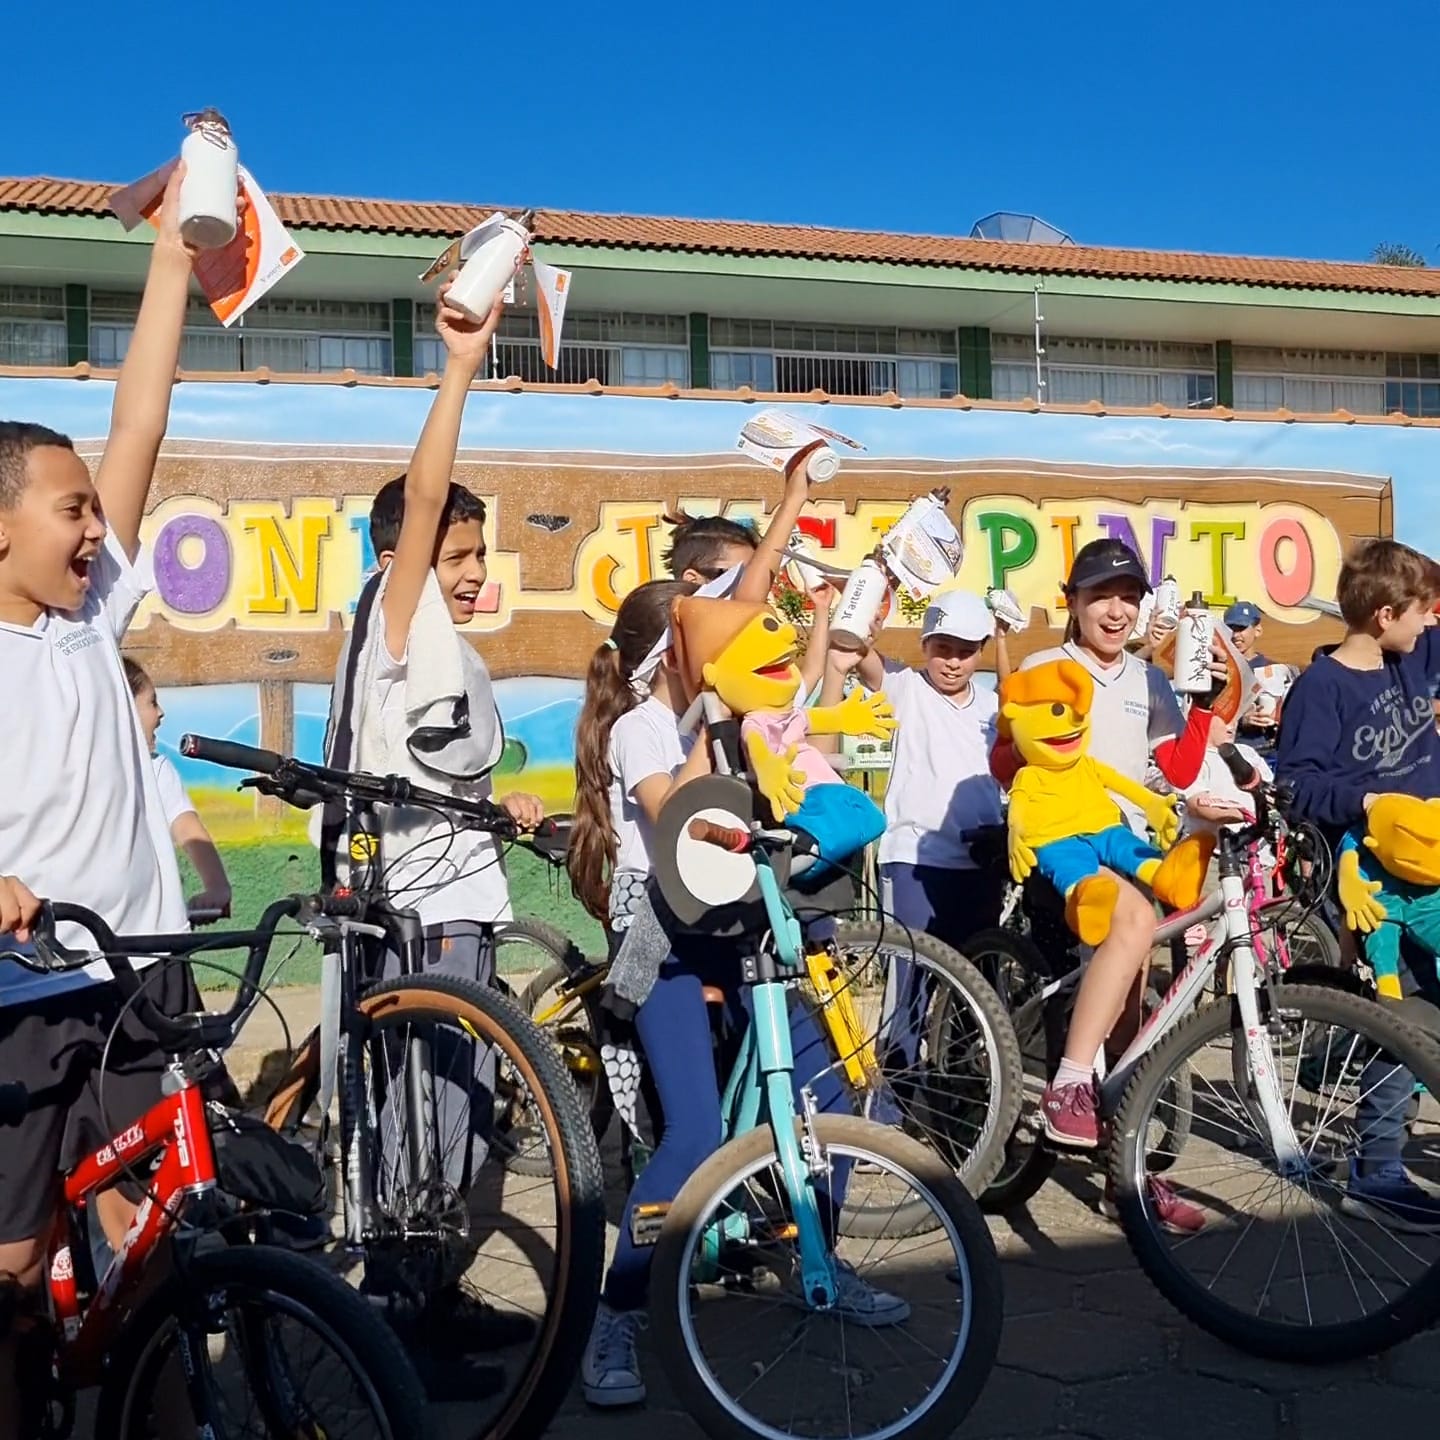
point(862, 1304)
point(610, 1371)
point(1391, 1198)
point(1177, 1216)
point(1071, 1115)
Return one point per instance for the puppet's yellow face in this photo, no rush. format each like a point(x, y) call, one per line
point(1047, 713)
point(1404, 833)
point(757, 669)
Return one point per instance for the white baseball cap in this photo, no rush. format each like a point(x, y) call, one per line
point(959, 615)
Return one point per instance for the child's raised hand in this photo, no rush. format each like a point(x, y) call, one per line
point(463, 338)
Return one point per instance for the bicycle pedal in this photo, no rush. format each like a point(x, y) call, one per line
point(646, 1222)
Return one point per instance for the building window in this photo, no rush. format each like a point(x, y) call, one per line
point(32, 325)
point(791, 358)
point(292, 336)
point(1178, 375)
point(1412, 385)
point(1309, 382)
point(619, 349)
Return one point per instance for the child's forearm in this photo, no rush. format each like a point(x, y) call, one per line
point(764, 565)
point(817, 646)
point(1003, 667)
point(203, 855)
point(140, 410)
point(427, 482)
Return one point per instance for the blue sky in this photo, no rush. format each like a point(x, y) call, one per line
point(1256, 128)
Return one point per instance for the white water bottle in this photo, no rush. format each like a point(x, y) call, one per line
point(820, 461)
point(1167, 604)
point(865, 593)
point(490, 269)
point(1192, 648)
point(207, 193)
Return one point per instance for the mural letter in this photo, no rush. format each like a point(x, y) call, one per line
point(997, 526)
point(284, 576)
point(1287, 585)
point(199, 588)
point(1219, 531)
point(1067, 525)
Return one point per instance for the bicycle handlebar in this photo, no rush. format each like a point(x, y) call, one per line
point(726, 837)
point(299, 783)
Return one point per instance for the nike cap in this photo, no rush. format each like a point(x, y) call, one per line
point(1103, 560)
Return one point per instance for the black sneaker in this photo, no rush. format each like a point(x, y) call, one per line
point(461, 1323)
point(299, 1232)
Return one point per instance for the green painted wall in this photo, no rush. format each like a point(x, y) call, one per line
point(974, 346)
point(1225, 373)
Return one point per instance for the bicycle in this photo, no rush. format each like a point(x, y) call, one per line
point(1269, 1092)
point(124, 1329)
point(1288, 936)
point(780, 1164)
point(401, 1055)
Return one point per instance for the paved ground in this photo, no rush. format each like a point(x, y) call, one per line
point(1089, 1347)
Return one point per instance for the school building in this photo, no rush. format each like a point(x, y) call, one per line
point(1013, 312)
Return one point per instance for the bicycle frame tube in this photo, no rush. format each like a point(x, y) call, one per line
point(176, 1127)
point(777, 1064)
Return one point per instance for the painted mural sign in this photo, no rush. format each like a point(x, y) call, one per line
point(259, 530)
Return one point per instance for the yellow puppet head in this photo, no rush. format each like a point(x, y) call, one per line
point(743, 652)
point(1047, 712)
point(1404, 834)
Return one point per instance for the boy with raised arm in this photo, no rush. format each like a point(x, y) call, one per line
point(80, 817)
point(412, 698)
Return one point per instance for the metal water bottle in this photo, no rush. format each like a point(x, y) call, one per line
point(207, 192)
point(1192, 648)
point(491, 268)
point(865, 593)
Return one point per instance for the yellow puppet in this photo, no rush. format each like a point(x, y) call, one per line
point(746, 655)
point(1062, 819)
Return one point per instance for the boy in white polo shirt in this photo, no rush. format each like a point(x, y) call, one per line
point(80, 817)
point(940, 786)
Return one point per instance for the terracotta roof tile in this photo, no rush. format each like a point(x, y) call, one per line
point(726, 237)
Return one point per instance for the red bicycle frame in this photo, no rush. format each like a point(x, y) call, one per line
point(177, 1128)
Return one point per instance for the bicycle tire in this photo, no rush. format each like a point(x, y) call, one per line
point(543, 936)
point(1414, 1311)
point(288, 1283)
point(594, 1092)
point(1028, 1163)
point(580, 1243)
point(1325, 943)
point(1007, 1087)
point(715, 1178)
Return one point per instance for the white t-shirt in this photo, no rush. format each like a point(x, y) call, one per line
point(431, 866)
point(80, 814)
point(940, 782)
point(174, 800)
point(644, 741)
point(1133, 710)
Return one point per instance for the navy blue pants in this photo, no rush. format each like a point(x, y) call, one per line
point(673, 1026)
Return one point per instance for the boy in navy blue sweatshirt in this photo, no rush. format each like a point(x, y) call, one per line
point(1358, 724)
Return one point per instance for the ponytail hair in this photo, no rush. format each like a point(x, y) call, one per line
point(609, 694)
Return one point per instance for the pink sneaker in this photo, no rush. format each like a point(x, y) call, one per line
point(1070, 1115)
point(1177, 1216)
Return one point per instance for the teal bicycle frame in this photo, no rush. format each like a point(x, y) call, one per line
point(764, 1071)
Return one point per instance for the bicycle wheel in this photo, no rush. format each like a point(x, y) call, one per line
point(523, 947)
point(1308, 939)
point(1315, 1230)
point(699, 1279)
point(429, 1238)
point(574, 1023)
point(949, 1061)
point(1019, 971)
point(248, 1313)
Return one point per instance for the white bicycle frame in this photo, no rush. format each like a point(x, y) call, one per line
point(1237, 903)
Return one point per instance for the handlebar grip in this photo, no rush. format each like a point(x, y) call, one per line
point(340, 907)
point(1241, 770)
point(230, 755)
point(725, 836)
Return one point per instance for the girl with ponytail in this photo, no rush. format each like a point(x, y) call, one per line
point(629, 756)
